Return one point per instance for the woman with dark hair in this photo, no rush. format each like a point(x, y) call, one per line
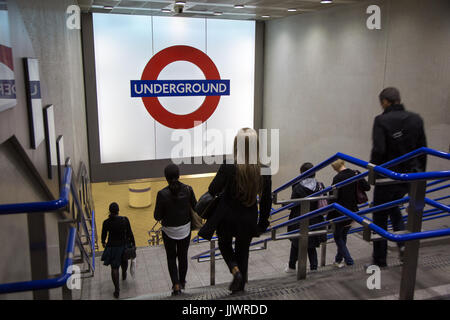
point(120, 236)
point(241, 183)
point(173, 209)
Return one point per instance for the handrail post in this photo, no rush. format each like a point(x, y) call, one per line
point(303, 242)
point(212, 261)
point(415, 213)
point(372, 175)
point(63, 230)
point(323, 254)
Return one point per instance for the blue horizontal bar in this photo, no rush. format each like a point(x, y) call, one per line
point(359, 229)
point(329, 236)
point(362, 212)
point(45, 205)
point(436, 182)
point(437, 205)
point(438, 188)
point(381, 169)
point(307, 173)
point(411, 176)
point(391, 236)
point(46, 283)
point(442, 198)
point(416, 153)
point(348, 181)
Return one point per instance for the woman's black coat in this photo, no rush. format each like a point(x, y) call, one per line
point(241, 219)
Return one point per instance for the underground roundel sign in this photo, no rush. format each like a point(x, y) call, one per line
point(149, 88)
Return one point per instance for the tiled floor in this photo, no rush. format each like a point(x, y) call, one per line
point(152, 275)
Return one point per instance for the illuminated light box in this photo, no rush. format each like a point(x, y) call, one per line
point(163, 76)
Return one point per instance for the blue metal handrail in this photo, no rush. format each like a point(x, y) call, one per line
point(351, 214)
point(355, 216)
point(364, 221)
point(342, 218)
point(381, 169)
point(46, 283)
point(47, 206)
point(44, 206)
point(361, 206)
point(360, 176)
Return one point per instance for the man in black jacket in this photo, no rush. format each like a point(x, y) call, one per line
point(395, 133)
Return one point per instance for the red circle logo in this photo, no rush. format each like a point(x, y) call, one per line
point(151, 72)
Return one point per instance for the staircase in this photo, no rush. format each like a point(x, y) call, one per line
point(267, 280)
point(329, 283)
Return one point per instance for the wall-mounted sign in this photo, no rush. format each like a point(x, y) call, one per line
point(149, 88)
point(33, 87)
point(50, 138)
point(7, 81)
point(159, 79)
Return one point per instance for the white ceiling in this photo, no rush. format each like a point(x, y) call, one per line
point(253, 10)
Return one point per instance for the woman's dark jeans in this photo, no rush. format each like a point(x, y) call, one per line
point(340, 238)
point(237, 257)
point(177, 249)
point(293, 257)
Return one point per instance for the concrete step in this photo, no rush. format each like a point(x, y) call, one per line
point(329, 282)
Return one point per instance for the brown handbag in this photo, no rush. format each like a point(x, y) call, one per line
point(196, 221)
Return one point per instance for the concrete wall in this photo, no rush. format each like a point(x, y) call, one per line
point(324, 71)
point(38, 29)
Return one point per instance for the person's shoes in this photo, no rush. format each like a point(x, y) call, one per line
point(183, 285)
point(339, 264)
point(237, 283)
point(313, 268)
point(116, 294)
point(176, 292)
point(289, 270)
point(240, 289)
point(124, 276)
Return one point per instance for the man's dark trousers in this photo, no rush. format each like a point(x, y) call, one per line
point(383, 194)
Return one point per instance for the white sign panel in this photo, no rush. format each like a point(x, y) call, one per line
point(164, 77)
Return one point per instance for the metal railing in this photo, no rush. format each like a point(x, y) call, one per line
point(53, 205)
point(47, 283)
point(73, 199)
point(155, 235)
point(416, 199)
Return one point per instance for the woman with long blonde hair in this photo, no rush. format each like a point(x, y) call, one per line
point(241, 183)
